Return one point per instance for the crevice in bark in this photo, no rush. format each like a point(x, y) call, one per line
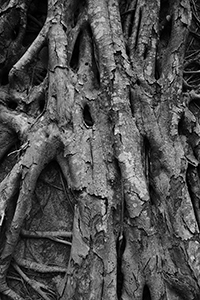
point(164, 11)
point(147, 171)
point(146, 293)
point(95, 62)
point(74, 62)
point(16, 30)
point(120, 247)
point(130, 29)
point(165, 31)
point(146, 160)
point(153, 195)
point(157, 66)
point(164, 18)
point(146, 50)
point(131, 101)
point(4, 79)
point(12, 104)
point(78, 7)
point(181, 125)
point(193, 183)
point(41, 104)
point(87, 117)
point(36, 16)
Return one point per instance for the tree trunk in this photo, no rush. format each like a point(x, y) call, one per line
point(99, 150)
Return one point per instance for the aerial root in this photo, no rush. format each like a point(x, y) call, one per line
point(55, 236)
point(31, 52)
point(37, 267)
point(39, 287)
point(82, 22)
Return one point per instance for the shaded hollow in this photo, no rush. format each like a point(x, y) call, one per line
point(146, 293)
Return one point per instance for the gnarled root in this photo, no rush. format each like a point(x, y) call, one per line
point(43, 146)
point(39, 287)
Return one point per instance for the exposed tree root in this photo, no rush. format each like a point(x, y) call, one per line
point(37, 267)
point(39, 287)
point(44, 141)
point(55, 236)
point(30, 53)
point(46, 234)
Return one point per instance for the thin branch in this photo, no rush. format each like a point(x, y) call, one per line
point(191, 72)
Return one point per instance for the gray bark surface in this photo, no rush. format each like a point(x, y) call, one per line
point(99, 150)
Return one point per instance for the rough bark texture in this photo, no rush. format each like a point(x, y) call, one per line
point(99, 149)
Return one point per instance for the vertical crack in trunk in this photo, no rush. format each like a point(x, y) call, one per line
point(121, 245)
point(121, 240)
point(193, 182)
point(146, 293)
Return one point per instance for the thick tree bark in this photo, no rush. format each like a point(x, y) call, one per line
point(99, 152)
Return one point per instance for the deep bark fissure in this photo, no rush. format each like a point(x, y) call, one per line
point(76, 52)
point(87, 115)
point(194, 190)
point(120, 246)
point(146, 293)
